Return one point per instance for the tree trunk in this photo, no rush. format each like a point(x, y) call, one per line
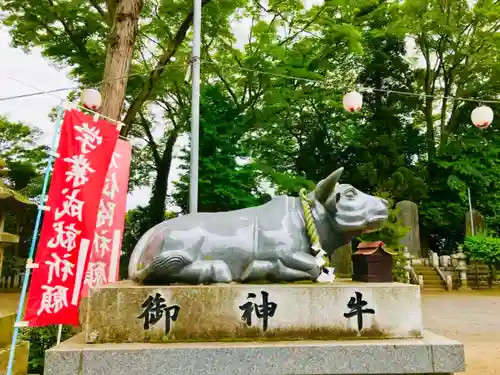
point(155, 75)
point(159, 194)
point(119, 55)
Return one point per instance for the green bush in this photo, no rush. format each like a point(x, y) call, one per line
point(41, 339)
point(484, 249)
point(398, 264)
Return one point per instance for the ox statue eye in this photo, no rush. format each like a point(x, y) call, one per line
point(350, 193)
point(337, 197)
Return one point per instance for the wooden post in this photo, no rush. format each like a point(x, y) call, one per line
point(124, 15)
point(2, 222)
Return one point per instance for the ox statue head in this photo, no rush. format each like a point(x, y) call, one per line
point(351, 209)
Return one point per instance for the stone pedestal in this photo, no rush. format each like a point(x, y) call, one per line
point(268, 329)
point(124, 312)
point(430, 355)
point(22, 349)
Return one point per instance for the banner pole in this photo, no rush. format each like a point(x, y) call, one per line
point(59, 334)
point(472, 229)
point(20, 308)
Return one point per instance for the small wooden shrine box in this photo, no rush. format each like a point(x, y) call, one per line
point(372, 263)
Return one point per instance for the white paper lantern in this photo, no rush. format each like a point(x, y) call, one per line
point(353, 101)
point(91, 99)
point(482, 116)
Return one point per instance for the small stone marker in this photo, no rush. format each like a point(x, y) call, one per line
point(342, 261)
point(408, 215)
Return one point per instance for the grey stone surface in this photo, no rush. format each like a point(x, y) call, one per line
point(214, 312)
point(408, 214)
point(268, 242)
point(431, 355)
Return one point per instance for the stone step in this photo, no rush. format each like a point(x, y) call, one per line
point(434, 283)
point(255, 358)
point(429, 289)
point(421, 267)
point(431, 277)
point(439, 287)
point(20, 358)
point(425, 273)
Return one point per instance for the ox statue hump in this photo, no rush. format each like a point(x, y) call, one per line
point(267, 242)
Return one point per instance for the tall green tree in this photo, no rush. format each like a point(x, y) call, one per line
point(228, 180)
point(76, 34)
point(26, 161)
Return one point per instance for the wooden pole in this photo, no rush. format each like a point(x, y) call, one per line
point(124, 18)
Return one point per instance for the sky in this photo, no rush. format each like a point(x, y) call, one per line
point(24, 73)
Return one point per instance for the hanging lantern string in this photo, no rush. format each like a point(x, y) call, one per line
point(79, 86)
point(361, 89)
point(261, 72)
point(51, 93)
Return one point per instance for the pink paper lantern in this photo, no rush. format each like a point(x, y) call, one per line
point(352, 101)
point(482, 116)
point(91, 99)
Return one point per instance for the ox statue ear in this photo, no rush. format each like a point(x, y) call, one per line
point(326, 186)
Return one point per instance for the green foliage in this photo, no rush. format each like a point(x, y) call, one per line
point(392, 231)
point(41, 339)
point(228, 180)
point(484, 249)
point(264, 128)
point(398, 264)
point(13, 265)
point(25, 161)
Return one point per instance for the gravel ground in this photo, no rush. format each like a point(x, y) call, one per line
point(471, 318)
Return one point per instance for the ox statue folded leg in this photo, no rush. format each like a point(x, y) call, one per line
point(265, 243)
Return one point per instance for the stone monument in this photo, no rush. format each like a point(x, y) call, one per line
point(408, 214)
point(261, 309)
point(478, 219)
point(342, 261)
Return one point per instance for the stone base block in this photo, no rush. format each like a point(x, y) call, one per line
point(125, 312)
point(20, 359)
point(6, 328)
point(432, 354)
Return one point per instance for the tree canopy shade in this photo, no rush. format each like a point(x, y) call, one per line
point(272, 100)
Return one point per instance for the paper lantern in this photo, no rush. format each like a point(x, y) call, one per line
point(482, 116)
point(91, 99)
point(353, 101)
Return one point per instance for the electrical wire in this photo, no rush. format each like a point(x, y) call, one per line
point(79, 86)
point(361, 88)
point(235, 66)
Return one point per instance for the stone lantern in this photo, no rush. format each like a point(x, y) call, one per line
point(461, 260)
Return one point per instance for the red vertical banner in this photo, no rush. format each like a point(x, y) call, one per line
point(83, 156)
point(104, 263)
